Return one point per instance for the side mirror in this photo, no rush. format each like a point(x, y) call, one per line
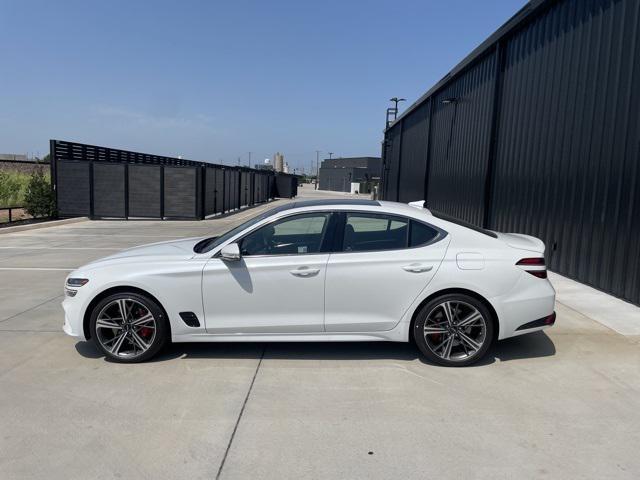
point(230, 252)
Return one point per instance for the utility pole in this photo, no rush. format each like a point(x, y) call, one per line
point(317, 168)
point(249, 159)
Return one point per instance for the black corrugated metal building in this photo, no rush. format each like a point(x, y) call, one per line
point(337, 174)
point(537, 131)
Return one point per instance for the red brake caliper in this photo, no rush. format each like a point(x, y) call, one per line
point(144, 332)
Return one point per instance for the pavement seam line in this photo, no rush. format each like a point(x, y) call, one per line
point(29, 309)
point(244, 404)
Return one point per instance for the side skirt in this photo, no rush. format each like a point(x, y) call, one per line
point(295, 337)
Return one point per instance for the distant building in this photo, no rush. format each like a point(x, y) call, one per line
point(14, 157)
point(338, 174)
point(263, 166)
point(278, 162)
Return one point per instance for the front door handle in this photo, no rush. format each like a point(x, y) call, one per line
point(417, 268)
point(305, 272)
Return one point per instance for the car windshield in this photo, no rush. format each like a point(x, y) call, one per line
point(210, 243)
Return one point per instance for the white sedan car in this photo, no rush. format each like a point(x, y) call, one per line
point(326, 270)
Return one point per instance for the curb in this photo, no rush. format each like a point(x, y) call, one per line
point(34, 226)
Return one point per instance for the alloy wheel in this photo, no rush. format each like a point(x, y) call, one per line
point(455, 331)
point(126, 328)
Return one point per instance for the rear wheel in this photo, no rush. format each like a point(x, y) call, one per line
point(129, 327)
point(454, 330)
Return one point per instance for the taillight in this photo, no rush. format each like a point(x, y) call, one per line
point(534, 262)
point(538, 261)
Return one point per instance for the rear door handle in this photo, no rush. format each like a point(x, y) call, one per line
point(305, 272)
point(417, 268)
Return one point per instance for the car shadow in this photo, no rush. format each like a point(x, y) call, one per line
point(533, 345)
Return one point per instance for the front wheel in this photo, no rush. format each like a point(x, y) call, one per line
point(129, 327)
point(454, 330)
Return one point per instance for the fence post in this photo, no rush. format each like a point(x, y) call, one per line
point(91, 193)
point(224, 190)
point(126, 191)
point(215, 190)
point(203, 191)
point(239, 188)
point(162, 192)
point(53, 173)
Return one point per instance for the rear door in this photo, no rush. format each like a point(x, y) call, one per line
point(385, 261)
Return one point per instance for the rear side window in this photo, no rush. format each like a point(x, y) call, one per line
point(366, 232)
point(421, 234)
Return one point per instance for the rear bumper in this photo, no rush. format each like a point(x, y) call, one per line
point(528, 307)
point(541, 322)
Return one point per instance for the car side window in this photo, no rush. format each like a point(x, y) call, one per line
point(421, 234)
point(366, 232)
point(296, 235)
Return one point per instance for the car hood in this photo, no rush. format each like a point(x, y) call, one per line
point(171, 250)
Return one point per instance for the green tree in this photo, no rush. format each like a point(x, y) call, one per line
point(39, 200)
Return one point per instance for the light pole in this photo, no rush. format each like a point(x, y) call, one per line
point(317, 168)
point(393, 111)
point(330, 153)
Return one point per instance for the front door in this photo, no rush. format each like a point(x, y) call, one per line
point(277, 286)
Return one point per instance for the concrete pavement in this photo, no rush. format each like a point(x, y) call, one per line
point(560, 404)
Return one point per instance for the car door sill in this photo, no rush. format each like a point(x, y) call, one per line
point(291, 337)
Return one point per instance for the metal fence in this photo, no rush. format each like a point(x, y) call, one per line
point(101, 182)
point(537, 132)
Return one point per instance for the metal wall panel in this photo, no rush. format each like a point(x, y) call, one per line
point(459, 149)
point(233, 189)
point(415, 143)
point(108, 190)
point(144, 191)
point(391, 162)
point(72, 188)
point(244, 188)
point(229, 190)
point(180, 192)
point(219, 192)
point(258, 188)
point(286, 186)
point(551, 147)
point(210, 191)
point(568, 144)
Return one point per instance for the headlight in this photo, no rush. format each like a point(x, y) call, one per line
point(76, 282)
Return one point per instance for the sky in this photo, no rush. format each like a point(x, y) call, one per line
point(213, 80)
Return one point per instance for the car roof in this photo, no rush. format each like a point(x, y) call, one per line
point(330, 201)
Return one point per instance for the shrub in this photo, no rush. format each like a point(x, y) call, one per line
point(13, 186)
point(39, 200)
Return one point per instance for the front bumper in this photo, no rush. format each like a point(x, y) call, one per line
point(73, 317)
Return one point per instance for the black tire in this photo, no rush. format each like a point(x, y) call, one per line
point(156, 339)
point(461, 351)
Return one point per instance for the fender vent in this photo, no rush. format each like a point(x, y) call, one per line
point(190, 319)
